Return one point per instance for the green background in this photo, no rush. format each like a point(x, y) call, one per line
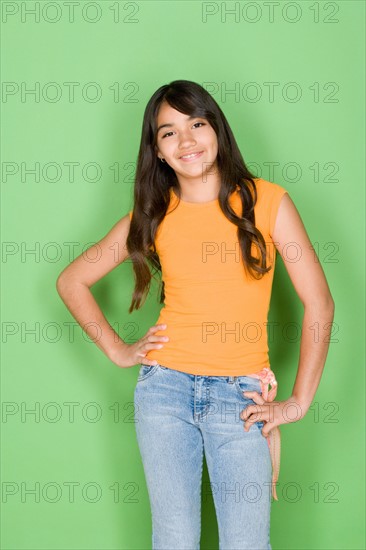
point(315, 143)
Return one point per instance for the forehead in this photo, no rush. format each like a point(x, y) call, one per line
point(167, 113)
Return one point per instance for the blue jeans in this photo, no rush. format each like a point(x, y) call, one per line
point(177, 417)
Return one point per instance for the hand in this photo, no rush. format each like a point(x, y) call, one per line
point(132, 354)
point(272, 413)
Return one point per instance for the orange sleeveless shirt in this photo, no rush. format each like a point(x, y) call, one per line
point(216, 314)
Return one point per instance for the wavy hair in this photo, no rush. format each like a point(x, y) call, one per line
point(154, 179)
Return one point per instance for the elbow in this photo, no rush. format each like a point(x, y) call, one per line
point(328, 303)
point(329, 308)
point(67, 283)
point(63, 282)
point(323, 304)
point(60, 284)
point(332, 307)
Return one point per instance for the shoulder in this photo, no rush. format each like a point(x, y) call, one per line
point(268, 189)
point(269, 197)
point(269, 194)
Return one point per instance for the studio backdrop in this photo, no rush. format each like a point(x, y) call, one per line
point(76, 77)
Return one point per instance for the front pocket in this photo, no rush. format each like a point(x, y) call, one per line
point(249, 383)
point(146, 371)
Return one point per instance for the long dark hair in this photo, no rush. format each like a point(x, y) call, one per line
point(154, 179)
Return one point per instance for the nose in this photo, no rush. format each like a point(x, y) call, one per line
point(186, 141)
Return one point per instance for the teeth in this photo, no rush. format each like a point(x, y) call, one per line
point(189, 156)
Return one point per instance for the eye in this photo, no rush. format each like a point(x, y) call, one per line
point(167, 134)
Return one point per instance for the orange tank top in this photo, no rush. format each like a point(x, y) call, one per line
point(216, 314)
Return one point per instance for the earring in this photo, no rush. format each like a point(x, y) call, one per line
point(162, 160)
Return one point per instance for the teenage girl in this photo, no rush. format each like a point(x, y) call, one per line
point(211, 229)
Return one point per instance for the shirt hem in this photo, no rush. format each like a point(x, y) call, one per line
point(213, 372)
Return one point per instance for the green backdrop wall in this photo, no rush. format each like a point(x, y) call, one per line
point(289, 76)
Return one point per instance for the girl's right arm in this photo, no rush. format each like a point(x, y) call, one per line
point(73, 285)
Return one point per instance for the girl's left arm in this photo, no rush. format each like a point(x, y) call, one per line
point(309, 281)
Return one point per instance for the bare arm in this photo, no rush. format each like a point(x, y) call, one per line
point(73, 285)
point(312, 288)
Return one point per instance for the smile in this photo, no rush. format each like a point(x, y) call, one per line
point(192, 156)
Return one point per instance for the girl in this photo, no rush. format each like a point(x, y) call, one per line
point(211, 229)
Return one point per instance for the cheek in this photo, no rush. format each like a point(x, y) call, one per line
point(213, 151)
point(169, 149)
point(213, 142)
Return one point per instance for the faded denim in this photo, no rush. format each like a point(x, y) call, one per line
point(178, 416)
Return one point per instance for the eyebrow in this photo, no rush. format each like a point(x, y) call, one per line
point(170, 125)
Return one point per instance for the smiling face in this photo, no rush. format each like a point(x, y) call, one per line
point(178, 135)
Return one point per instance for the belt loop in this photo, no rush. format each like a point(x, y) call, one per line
point(231, 379)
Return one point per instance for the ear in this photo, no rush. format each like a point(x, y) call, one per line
point(156, 151)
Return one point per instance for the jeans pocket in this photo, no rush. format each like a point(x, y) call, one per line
point(146, 371)
point(249, 383)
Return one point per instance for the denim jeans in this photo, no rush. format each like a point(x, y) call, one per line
point(178, 416)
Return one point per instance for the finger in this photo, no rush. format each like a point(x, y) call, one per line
point(252, 420)
point(252, 413)
point(266, 431)
point(248, 424)
point(145, 361)
point(148, 346)
point(151, 337)
point(155, 328)
point(257, 397)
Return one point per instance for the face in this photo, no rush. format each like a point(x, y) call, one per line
point(181, 136)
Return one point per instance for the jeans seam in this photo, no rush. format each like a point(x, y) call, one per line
point(149, 373)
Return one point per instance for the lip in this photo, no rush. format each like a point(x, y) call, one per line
point(197, 155)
